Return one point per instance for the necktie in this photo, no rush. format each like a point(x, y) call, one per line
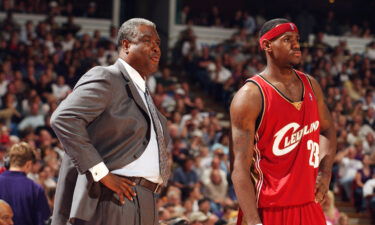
point(163, 154)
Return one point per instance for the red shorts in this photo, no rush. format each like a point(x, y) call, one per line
point(306, 214)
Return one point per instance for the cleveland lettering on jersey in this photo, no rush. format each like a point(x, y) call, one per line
point(291, 141)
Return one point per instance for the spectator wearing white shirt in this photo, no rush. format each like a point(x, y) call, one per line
point(354, 135)
point(369, 143)
point(60, 90)
point(102, 57)
point(33, 120)
point(219, 75)
point(68, 43)
point(347, 170)
point(3, 84)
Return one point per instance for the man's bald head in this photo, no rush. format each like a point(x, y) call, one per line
point(6, 213)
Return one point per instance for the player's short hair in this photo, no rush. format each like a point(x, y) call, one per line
point(20, 154)
point(267, 26)
point(129, 29)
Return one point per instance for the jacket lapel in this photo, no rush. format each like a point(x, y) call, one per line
point(133, 89)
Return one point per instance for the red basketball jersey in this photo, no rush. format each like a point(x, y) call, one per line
point(286, 146)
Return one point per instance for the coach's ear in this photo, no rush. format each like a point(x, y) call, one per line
point(125, 45)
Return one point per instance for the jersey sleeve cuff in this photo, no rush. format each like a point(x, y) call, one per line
point(99, 171)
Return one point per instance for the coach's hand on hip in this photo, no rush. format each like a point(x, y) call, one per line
point(120, 185)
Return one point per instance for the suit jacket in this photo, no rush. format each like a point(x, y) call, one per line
point(103, 119)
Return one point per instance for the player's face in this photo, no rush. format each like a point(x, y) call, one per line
point(286, 49)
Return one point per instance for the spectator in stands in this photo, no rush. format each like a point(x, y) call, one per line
point(369, 195)
point(185, 177)
point(70, 26)
point(215, 19)
point(202, 73)
point(186, 16)
point(6, 213)
point(27, 199)
point(216, 188)
point(219, 75)
point(8, 110)
point(174, 202)
point(349, 166)
point(92, 10)
point(2, 158)
point(369, 144)
point(370, 50)
point(237, 20)
point(33, 120)
point(362, 175)
point(198, 218)
point(343, 219)
point(60, 90)
point(331, 213)
point(204, 205)
point(249, 23)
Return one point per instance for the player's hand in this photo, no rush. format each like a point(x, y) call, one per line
point(120, 185)
point(321, 187)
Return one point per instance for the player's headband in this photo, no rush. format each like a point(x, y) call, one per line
point(277, 31)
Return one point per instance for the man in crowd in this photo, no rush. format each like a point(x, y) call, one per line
point(6, 213)
point(27, 198)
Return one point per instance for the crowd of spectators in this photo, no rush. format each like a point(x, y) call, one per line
point(82, 8)
point(306, 21)
point(39, 66)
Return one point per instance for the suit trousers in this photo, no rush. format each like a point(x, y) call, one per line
point(141, 211)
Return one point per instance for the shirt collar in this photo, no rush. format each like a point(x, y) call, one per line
point(135, 76)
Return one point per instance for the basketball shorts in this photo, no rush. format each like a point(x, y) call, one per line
point(306, 214)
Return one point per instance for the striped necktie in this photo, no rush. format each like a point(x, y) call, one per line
point(163, 154)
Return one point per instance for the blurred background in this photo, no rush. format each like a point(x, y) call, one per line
point(209, 48)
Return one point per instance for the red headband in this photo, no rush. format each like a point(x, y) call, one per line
point(277, 31)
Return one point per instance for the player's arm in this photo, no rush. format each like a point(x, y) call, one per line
point(244, 111)
point(327, 129)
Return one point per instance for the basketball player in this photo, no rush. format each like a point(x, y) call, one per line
point(277, 118)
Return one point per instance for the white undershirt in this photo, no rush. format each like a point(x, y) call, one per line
point(147, 165)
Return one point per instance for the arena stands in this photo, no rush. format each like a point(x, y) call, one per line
point(41, 62)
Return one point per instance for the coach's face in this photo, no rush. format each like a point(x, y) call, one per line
point(144, 52)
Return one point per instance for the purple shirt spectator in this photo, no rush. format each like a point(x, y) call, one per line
point(26, 198)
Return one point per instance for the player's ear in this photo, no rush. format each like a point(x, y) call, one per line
point(266, 45)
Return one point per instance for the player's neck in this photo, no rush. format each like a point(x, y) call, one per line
point(279, 73)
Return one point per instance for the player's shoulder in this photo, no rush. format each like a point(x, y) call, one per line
point(250, 89)
point(308, 76)
point(247, 100)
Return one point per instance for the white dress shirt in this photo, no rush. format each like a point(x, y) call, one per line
point(147, 165)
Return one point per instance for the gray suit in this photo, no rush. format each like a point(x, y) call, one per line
point(103, 119)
